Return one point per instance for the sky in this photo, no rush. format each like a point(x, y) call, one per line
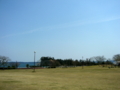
point(61, 29)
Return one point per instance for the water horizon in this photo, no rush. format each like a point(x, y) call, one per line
point(23, 64)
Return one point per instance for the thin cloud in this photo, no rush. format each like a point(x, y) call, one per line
point(64, 25)
point(20, 33)
point(80, 23)
point(107, 19)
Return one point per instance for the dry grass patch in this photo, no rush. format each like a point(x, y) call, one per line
point(89, 78)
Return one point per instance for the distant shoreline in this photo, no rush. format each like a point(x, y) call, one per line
point(31, 68)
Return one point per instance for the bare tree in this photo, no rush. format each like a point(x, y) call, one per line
point(14, 64)
point(100, 59)
point(117, 58)
point(4, 61)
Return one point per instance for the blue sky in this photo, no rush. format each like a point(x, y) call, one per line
point(59, 28)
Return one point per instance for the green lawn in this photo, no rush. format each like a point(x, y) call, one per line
point(89, 78)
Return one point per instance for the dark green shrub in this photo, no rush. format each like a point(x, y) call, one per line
point(9, 67)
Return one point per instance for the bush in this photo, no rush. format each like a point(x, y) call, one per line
point(9, 67)
point(13, 67)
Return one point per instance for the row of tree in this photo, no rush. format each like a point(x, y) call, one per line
point(98, 60)
point(52, 62)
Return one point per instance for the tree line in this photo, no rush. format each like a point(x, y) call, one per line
point(52, 62)
point(97, 60)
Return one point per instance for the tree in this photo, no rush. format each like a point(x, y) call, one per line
point(87, 62)
point(47, 58)
point(68, 62)
point(99, 59)
point(27, 65)
point(49, 62)
point(117, 58)
point(45, 61)
point(4, 61)
point(57, 63)
point(14, 64)
point(60, 61)
point(76, 63)
point(109, 63)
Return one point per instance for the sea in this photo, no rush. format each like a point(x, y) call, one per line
point(23, 64)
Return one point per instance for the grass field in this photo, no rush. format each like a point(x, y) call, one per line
point(89, 78)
